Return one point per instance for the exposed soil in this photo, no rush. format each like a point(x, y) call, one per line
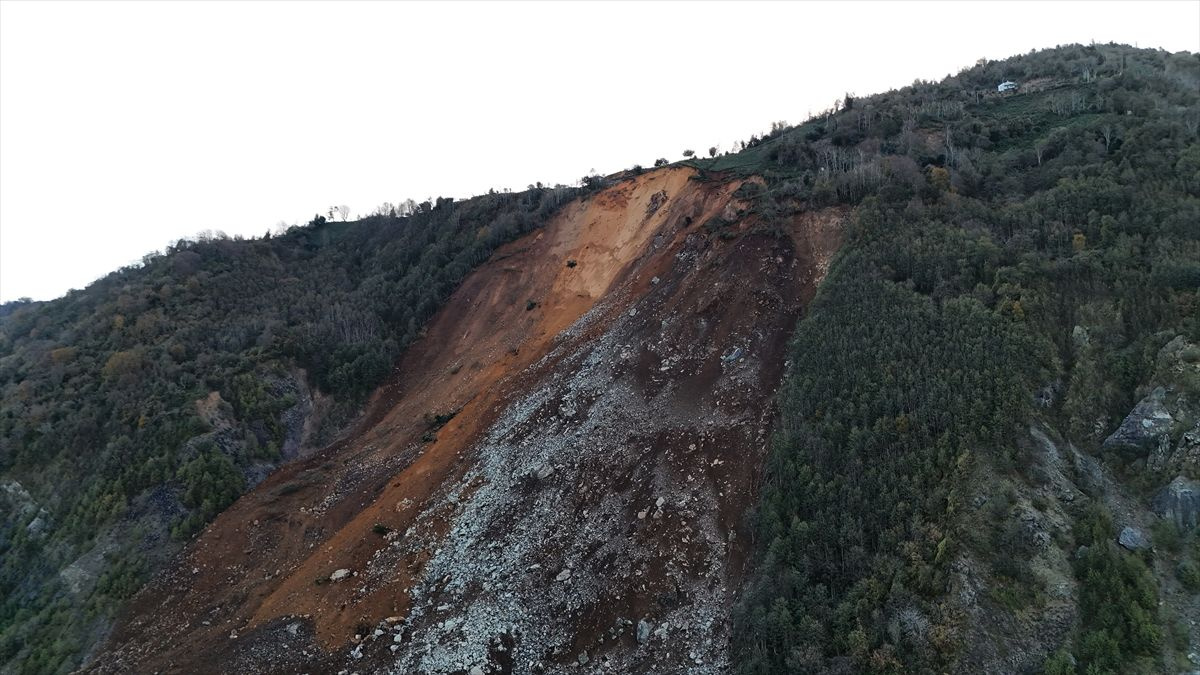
point(609, 421)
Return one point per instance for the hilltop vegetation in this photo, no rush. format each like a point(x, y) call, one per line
point(988, 229)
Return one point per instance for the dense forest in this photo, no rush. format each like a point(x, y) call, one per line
point(137, 409)
point(989, 229)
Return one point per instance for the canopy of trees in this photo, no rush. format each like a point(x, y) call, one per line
point(987, 227)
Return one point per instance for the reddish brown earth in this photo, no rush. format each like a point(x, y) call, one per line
point(603, 453)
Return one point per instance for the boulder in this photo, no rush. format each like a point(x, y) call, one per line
point(338, 575)
point(1146, 428)
point(643, 632)
point(1179, 501)
point(1133, 539)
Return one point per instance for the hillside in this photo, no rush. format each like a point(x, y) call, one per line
point(136, 410)
point(909, 387)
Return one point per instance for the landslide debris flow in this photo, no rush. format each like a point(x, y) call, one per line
point(557, 475)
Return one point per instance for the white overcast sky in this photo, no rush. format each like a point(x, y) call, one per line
point(125, 126)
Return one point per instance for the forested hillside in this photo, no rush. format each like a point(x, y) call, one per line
point(137, 409)
point(1017, 259)
point(981, 450)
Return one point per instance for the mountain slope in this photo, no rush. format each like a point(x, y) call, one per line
point(136, 410)
point(644, 372)
point(909, 387)
point(1035, 280)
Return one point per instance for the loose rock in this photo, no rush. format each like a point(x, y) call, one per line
point(1133, 539)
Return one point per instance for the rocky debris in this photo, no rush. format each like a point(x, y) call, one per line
point(1089, 475)
point(1133, 538)
point(339, 575)
point(1054, 465)
point(20, 504)
point(82, 574)
point(1033, 530)
point(656, 201)
point(1147, 427)
point(39, 525)
point(299, 422)
point(543, 471)
point(634, 513)
point(1184, 459)
point(1179, 501)
point(1188, 451)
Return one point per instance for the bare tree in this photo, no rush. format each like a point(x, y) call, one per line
point(1109, 133)
point(344, 212)
point(951, 151)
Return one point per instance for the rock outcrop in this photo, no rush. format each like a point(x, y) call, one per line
point(1184, 459)
point(1146, 428)
point(1180, 502)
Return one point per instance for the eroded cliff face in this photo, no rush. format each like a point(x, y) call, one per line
point(558, 474)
